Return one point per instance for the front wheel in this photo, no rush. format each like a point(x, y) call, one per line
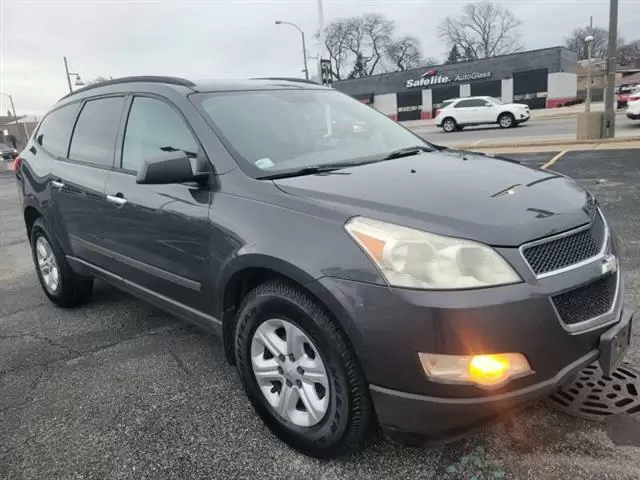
point(506, 120)
point(300, 374)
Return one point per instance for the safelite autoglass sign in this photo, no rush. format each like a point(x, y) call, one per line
point(431, 77)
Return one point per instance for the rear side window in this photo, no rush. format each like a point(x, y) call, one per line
point(54, 130)
point(154, 127)
point(94, 137)
point(475, 102)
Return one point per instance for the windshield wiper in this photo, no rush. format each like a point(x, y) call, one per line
point(408, 151)
point(310, 170)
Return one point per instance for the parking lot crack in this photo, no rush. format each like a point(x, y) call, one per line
point(180, 363)
point(43, 339)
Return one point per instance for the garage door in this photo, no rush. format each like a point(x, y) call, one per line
point(531, 87)
point(409, 105)
point(488, 89)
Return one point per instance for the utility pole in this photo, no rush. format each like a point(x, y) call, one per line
point(15, 116)
point(320, 37)
point(609, 120)
point(589, 40)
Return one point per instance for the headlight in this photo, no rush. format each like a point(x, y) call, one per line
point(416, 259)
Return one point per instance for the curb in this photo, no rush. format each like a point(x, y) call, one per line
point(547, 143)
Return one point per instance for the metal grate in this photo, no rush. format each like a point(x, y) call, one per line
point(568, 250)
point(595, 396)
point(587, 302)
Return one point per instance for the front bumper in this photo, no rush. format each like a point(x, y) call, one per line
point(390, 326)
point(435, 417)
point(633, 116)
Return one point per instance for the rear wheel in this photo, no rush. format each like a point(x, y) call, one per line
point(506, 120)
point(299, 373)
point(60, 283)
point(449, 125)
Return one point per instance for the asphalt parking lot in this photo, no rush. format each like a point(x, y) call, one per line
point(118, 389)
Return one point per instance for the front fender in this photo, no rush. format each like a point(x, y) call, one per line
point(306, 280)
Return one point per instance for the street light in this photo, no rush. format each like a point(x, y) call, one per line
point(78, 83)
point(15, 115)
point(304, 45)
point(589, 40)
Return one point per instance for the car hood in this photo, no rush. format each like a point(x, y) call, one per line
point(518, 105)
point(494, 201)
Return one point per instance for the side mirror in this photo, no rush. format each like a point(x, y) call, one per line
point(168, 167)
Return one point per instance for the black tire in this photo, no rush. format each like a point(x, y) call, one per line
point(346, 423)
point(73, 289)
point(449, 125)
point(506, 120)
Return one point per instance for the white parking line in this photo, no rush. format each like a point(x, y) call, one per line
point(553, 160)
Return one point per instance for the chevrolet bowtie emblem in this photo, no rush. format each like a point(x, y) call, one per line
point(609, 264)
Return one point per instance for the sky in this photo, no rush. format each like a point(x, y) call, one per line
point(200, 39)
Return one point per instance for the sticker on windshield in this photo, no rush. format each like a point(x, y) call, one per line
point(264, 163)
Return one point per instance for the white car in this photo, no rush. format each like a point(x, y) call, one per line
point(462, 112)
point(633, 105)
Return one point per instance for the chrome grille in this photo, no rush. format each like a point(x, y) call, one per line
point(587, 302)
point(566, 250)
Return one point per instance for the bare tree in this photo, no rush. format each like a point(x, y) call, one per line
point(369, 41)
point(337, 35)
point(405, 53)
point(484, 29)
point(629, 54)
point(576, 42)
point(366, 45)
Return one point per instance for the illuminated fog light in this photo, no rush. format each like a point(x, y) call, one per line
point(489, 370)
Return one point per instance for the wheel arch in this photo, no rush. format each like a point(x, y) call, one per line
point(251, 270)
point(507, 112)
point(31, 214)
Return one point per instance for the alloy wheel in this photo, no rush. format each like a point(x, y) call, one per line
point(449, 125)
point(506, 121)
point(47, 265)
point(290, 372)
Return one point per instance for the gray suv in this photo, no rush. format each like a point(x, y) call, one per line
point(356, 273)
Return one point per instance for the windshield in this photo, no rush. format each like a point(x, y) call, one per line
point(498, 101)
point(283, 130)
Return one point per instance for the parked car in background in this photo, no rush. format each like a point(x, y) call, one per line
point(355, 274)
point(7, 152)
point(633, 107)
point(624, 94)
point(469, 111)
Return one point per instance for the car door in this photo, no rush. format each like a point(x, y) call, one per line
point(158, 235)
point(465, 111)
point(78, 180)
point(487, 111)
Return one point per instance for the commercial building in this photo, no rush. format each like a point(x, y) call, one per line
point(543, 78)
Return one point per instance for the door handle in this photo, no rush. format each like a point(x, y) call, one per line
point(57, 184)
point(119, 201)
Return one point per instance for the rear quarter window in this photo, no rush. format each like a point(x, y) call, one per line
point(53, 133)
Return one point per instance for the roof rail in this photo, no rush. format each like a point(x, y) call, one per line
point(288, 79)
point(144, 78)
